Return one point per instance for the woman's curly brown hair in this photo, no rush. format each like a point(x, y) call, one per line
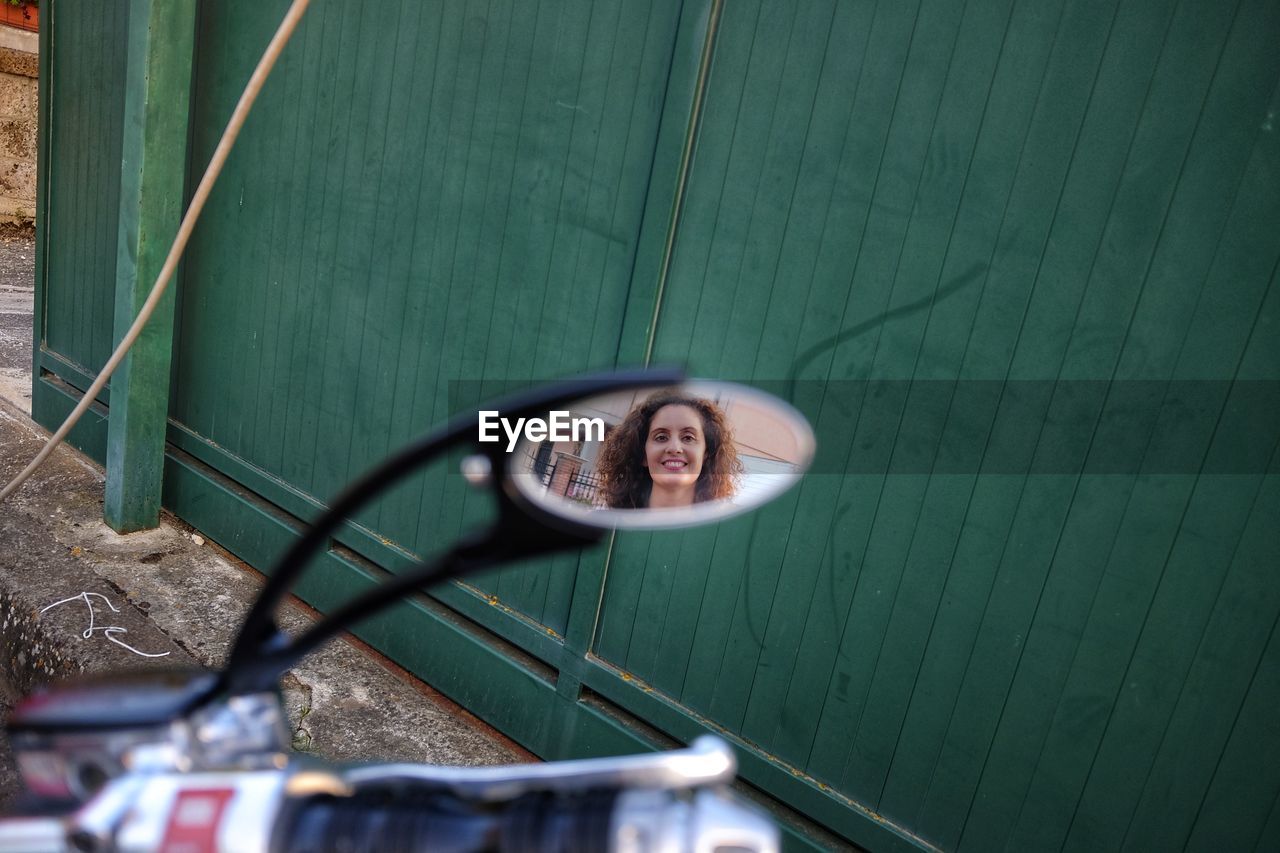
point(624, 476)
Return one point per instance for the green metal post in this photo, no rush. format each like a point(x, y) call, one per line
point(157, 100)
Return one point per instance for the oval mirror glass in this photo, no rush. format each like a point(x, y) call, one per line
point(662, 457)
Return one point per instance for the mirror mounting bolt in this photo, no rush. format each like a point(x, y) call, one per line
point(477, 470)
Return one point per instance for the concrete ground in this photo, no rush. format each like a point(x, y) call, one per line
point(17, 276)
point(176, 593)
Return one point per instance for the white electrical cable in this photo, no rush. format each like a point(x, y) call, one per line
point(108, 631)
point(238, 116)
point(110, 634)
point(84, 596)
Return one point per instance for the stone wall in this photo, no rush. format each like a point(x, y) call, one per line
point(19, 63)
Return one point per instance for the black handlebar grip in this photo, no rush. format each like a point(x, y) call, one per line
point(441, 823)
point(551, 824)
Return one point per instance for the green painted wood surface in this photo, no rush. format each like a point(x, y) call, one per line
point(83, 94)
point(461, 202)
point(1008, 258)
point(1017, 193)
point(161, 40)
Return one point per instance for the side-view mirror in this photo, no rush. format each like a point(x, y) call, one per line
point(565, 461)
point(656, 457)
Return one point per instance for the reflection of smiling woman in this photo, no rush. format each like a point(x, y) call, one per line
point(671, 450)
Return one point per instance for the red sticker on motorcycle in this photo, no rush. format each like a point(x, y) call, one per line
point(194, 821)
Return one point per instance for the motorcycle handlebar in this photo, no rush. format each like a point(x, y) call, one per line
point(286, 812)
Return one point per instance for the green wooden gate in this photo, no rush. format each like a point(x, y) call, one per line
point(1016, 262)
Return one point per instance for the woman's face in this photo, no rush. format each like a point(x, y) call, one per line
point(674, 450)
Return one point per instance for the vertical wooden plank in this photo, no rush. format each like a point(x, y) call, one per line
point(70, 330)
point(45, 148)
point(1122, 757)
point(308, 349)
point(1269, 838)
point(97, 302)
point(84, 114)
point(161, 39)
point(376, 322)
point(274, 322)
point(627, 560)
point(682, 113)
point(578, 99)
point(564, 115)
point(663, 564)
point(758, 591)
point(290, 322)
point(1213, 690)
point(816, 251)
point(589, 64)
point(230, 319)
point(1234, 816)
point(415, 190)
point(1037, 688)
point(685, 321)
point(585, 601)
point(253, 196)
point(338, 267)
point(669, 667)
point(967, 43)
point(643, 577)
point(509, 247)
point(730, 622)
point(516, 64)
point(764, 295)
point(725, 237)
point(1000, 530)
point(190, 372)
point(644, 37)
point(453, 151)
point(994, 46)
point(1177, 768)
point(456, 95)
point(786, 51)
